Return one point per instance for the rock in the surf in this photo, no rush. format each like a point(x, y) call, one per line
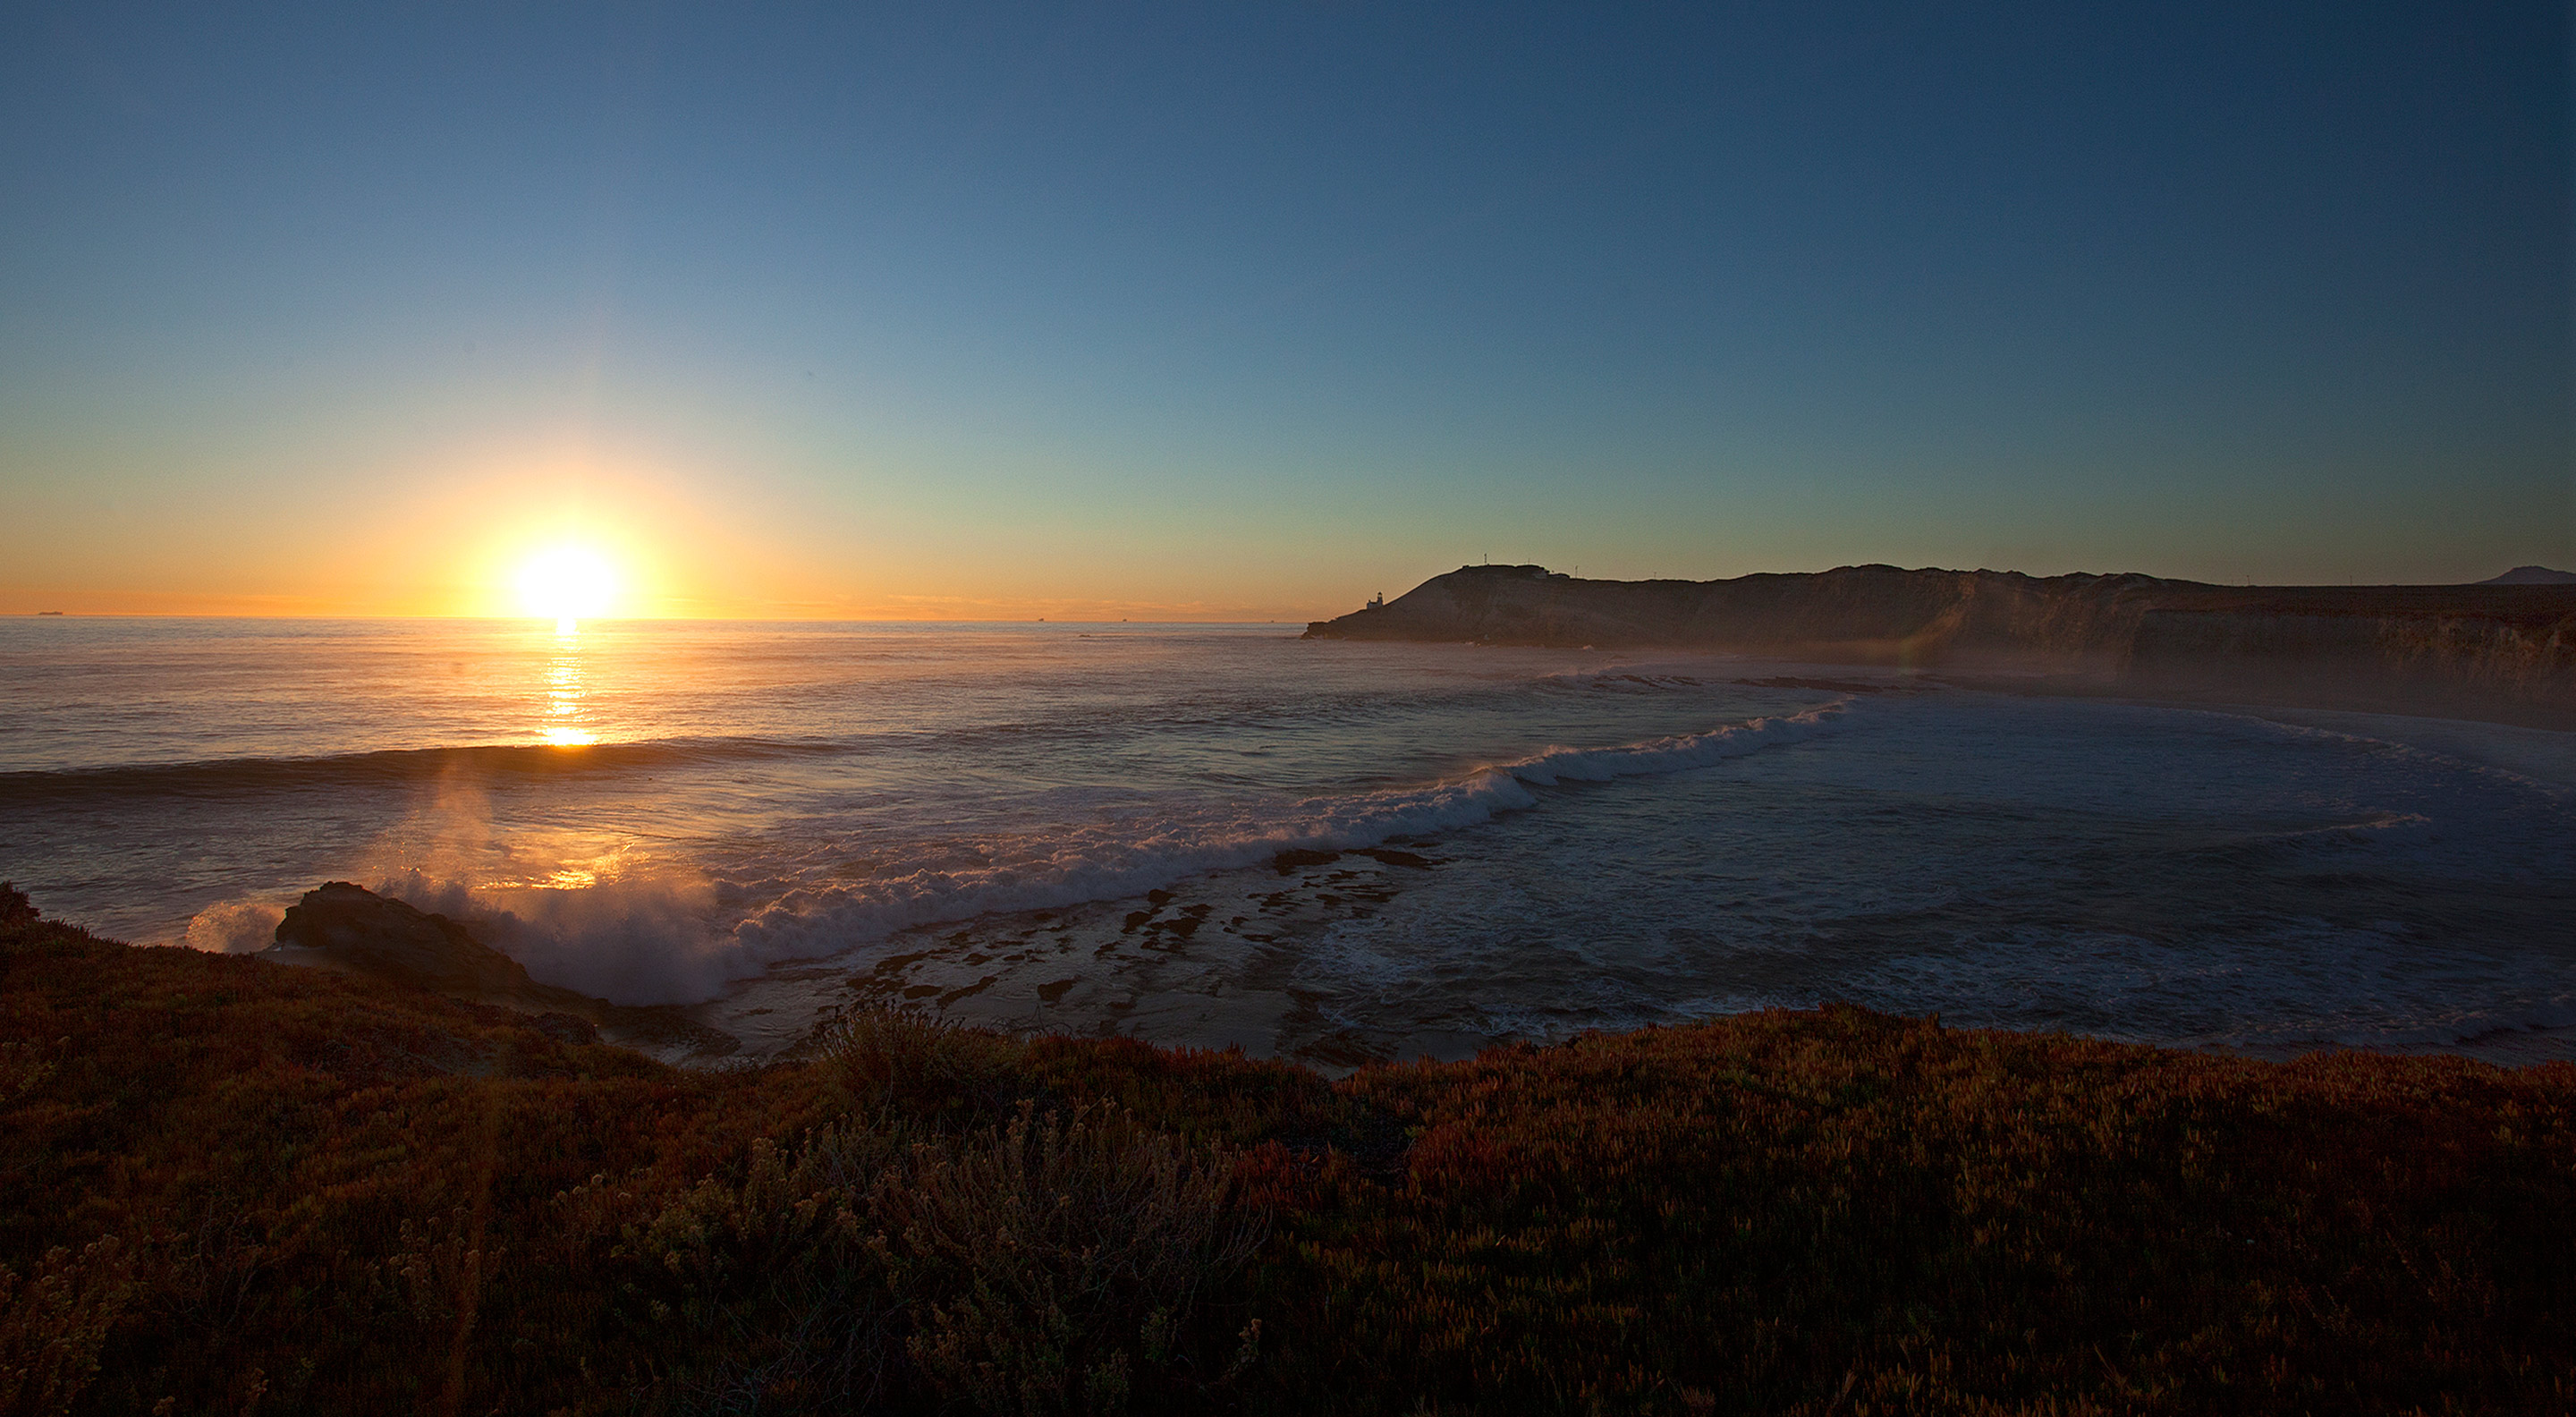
point(362, 931)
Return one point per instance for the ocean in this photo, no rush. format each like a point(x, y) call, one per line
point(1326, 851)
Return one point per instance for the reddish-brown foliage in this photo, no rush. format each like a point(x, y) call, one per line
point(230, 1186)
point(1852, 1213)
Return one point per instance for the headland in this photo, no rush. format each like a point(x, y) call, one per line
point(2504, 653)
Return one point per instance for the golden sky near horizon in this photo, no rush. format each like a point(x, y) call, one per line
point(455, 541)
point(812, 315)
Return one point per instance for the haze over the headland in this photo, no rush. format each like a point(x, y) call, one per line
point(1249, 311)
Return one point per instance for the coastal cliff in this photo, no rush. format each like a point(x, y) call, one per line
point(2503, 652)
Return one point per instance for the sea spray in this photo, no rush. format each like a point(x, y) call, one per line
point(234, 927)
point(660, 935)
point(637, 940)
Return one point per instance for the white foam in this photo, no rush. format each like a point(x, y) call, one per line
point(649, 940)
point(1115, 861)
point(1110, 861)
point(234, 927)
point(1679, 753)
point(657, 935)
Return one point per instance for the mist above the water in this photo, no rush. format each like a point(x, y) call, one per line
point(581, 912)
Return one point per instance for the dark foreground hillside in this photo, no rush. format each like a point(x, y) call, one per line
point(231, 1186)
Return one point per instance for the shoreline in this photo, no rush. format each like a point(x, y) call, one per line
point(1295, 960)
point(948, 971)
point(968, 962)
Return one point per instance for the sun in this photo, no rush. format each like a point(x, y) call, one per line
point(568, 583)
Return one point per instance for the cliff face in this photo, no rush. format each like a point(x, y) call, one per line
point(2490, 651)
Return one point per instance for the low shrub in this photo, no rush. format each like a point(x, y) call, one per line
point(228, 1185)
point(923, 1069)
point(53, 1322)
point(769, 1291)
point(1056, 1263)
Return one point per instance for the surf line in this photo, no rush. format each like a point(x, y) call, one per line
point(812, 922)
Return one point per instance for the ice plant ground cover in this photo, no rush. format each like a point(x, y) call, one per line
point(232, 1186)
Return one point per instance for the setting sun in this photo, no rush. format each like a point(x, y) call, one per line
point(568, 584)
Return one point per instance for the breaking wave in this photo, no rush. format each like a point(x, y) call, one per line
point(393, 768)
point(661, 936)
point(1131, 857)
point(645, 940)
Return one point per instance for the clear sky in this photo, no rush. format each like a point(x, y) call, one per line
point(1251, 310)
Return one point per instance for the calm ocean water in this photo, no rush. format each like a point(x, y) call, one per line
point(1335, 852)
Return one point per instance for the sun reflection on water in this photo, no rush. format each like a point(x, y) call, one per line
point(567, 711)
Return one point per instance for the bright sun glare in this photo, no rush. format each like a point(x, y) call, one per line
point(568, 583)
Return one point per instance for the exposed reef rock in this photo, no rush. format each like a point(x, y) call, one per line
point(2497, 651)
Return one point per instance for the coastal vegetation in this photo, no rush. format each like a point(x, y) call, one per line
point(235, 1187)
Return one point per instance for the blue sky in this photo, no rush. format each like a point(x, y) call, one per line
point(1250, 310)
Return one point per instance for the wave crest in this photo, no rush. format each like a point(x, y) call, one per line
point(395, 767)
point(1115, 861)
point(670, 934)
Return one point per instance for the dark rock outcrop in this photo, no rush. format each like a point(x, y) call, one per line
point(2505, 652)
point(393, 939)
point(348, 928)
